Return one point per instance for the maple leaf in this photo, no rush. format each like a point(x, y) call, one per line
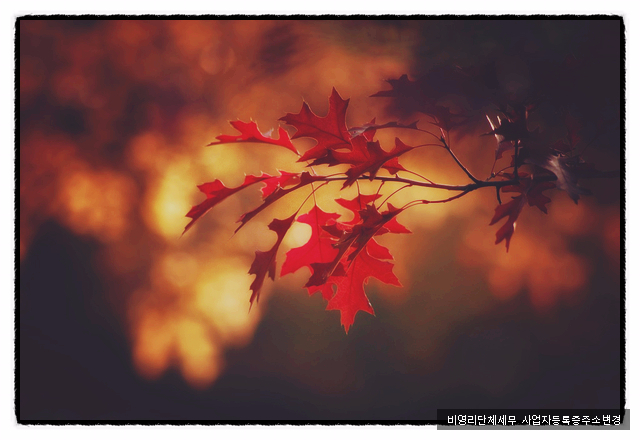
point(329, 131)
point(216, 192)
point(264, 263)
point(249, 132)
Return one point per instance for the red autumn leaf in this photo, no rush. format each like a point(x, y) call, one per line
point(350, 297)
point(365, 156)
point(373, 223)
point(249, 133)
point(343, 255)
point(360, 202)
point(330, 131)
point(393, 166)
point(376, 158)
point(532, 191)
point(216, 192)
point(319, 248)
point(368, 157)
point(376, 250)
point(326, 291)
point(356, 205)
point(357, 153)
point(265, 262)
point(512, 211)
point(392, 225)
point(277, 194)
point(357, 257)
point(284, 179)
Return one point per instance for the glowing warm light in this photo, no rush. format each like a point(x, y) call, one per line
point(124, 171)
point(297, 236)
point(178, 269)
point(96, 202)
point(166, 213)
point(153, 344)
point(223, 297)
point(198, 354)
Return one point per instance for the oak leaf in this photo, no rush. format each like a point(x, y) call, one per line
point(284, 179)
point(275, 195)
point(356, 256)
point(530, 192)
point(318, 249)
point(369, 157)
point(264, 263)
point(216, 192)
point(249, 132)
point(350, 296)
point(329, 131)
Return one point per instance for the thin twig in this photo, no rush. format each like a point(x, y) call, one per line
point(389, 196)
point(428, 202)
point(418, 175)
point(468, 173)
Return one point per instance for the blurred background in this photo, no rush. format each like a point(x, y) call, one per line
point(120, 318)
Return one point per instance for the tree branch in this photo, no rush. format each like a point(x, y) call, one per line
point(468, 173)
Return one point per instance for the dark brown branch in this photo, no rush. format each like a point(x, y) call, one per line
point(473, 186)
point(467, 172)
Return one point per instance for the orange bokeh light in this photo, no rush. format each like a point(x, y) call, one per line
point(181, 82)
